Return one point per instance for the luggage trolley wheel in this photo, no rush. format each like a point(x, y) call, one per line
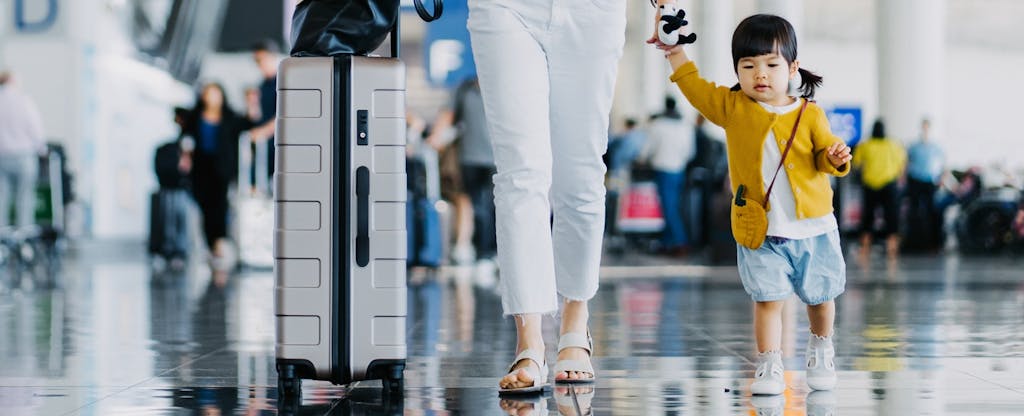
point(288, 385)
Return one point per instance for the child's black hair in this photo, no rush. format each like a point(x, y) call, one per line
point(762, 34)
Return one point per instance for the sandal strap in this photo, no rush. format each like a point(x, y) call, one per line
point(537, 356)
point(580, 366)
point(576, 340)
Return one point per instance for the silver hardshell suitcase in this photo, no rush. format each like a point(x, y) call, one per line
point(340, 221)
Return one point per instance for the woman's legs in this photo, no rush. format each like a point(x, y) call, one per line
point(583, 55)
point(528, 331)
point(547, 78)
point(513, 72)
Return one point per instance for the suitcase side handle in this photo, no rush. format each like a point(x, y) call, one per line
point(363, 216)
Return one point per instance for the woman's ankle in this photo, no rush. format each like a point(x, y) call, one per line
point(575, 317)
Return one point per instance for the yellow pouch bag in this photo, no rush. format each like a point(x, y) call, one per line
point(749, 221)
point(750, 217)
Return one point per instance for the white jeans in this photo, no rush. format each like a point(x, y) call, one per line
point(18, 181)
point(547, 72)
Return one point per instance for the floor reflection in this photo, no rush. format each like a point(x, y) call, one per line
point(936, 336)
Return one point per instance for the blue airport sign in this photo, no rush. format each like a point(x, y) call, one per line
point(846, 122)
point(22, 22)
point(448, 57)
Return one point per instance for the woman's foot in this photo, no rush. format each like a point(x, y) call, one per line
point(574, 321)
point(524, 373)
point(529, 368)
point(578, 354)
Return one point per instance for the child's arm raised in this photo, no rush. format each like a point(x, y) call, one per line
point(674, 52)
point(713, 101)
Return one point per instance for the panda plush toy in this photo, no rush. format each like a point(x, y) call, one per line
point(670, 28)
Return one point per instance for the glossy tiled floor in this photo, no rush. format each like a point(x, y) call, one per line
point(923, 336)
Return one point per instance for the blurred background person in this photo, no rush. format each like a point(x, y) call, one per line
point(463, 124)
point(265, 53)
point(925, 161)
point(215, 128)
point(881, 162)
point(21, 143)
point(705, 174)
point(668, 148)
point(625, 147)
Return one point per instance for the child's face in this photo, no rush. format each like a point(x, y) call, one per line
point(765, 78)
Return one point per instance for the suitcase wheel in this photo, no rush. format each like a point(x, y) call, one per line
point(288, 385)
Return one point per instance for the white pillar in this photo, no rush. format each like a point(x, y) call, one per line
point(714, 28)
point(792, 10)
point(911, 54)
point(643, 70)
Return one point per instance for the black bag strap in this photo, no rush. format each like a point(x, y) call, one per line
point(789, 144)
point(424, 14)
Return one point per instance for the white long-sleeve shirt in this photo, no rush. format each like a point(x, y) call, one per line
point(21, 125)
point(782, 220)
point(669, 144)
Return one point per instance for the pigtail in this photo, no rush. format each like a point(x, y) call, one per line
point(809, 82)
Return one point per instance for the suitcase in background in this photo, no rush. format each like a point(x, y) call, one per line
point(340, 221)
point(169, 223)
point(253, 207)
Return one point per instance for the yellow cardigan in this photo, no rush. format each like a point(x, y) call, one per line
point(746, 125)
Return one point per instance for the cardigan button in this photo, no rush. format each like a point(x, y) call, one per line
point(791, 166)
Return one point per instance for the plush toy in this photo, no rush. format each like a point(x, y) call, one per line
point(671, 25)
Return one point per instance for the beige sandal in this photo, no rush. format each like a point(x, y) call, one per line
point(540, 381)
point(575, 340)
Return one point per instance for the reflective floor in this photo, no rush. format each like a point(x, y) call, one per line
point(921, 336)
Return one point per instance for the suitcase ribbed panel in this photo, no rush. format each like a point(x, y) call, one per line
point(300, 124)
point(374, 310)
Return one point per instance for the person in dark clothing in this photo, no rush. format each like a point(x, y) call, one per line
point(215, 128)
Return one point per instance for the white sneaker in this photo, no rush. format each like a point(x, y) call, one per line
point(463, 254)
point(768, 379)
point(485, 274)
point(821, 367)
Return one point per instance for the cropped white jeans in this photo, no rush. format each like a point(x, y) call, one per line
point(547, 72)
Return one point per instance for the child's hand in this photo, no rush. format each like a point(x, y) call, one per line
point(838, 154)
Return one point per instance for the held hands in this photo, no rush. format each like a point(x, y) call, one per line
point(838, 154)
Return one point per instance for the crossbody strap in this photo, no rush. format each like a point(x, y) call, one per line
point(789, 144)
